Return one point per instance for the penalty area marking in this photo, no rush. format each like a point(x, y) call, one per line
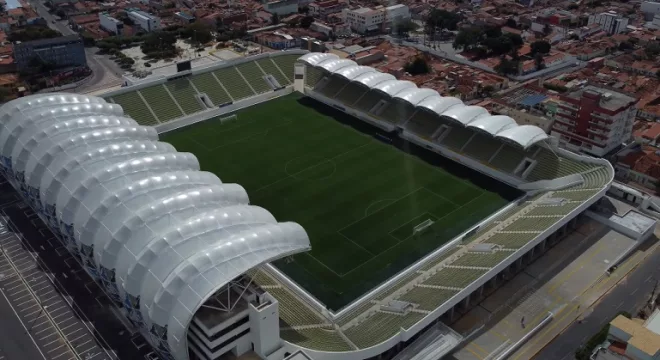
point(366, 211)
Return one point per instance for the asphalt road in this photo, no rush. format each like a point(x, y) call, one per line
point(628, 295)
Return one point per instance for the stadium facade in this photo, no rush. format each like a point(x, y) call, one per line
point(187, 256)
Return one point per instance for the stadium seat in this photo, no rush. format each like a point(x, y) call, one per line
point(184, 93)
point(482, 147)
point(482, 259)
point(286, 62)
point(508, 158)
point(316, 338)
point(395, 112)
point(331, 89)
point(313, 76)
point(261, 278)
point(292, 311)
point(359, 310)
point(454, 277)
point(440, 258)
point(380, 327)
point(207, 84)
point(351, 92)
point(234, 83)
point(396, 286)
point(161, 103)
point(135, 107)
point(427, 298)
point(253, 74)
point(551, 167)
point(511, 240)
point(269, 67)
point(423, 124)
point(457, 137)
point(553, 210)
point(532, 223)
point(575, 195)
point(369, 100)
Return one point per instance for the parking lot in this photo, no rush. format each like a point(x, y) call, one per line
point(65, 314)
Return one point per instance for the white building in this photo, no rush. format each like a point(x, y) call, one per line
point(365, 20)
point(650, 9)
point(110, 24)
point(594, 120)
point(610, 21)
point(145, 21)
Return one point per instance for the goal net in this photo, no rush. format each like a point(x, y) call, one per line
point(422, 227)
point(229, 118)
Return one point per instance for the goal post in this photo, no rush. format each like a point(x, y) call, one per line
point(422, 227)
point(229, 118)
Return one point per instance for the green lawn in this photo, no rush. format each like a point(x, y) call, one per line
point(358, 197)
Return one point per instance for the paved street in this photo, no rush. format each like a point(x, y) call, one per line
point(628, 296)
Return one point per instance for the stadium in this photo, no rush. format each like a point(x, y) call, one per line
point(321, 209)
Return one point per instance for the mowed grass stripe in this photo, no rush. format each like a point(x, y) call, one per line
point(355, 196)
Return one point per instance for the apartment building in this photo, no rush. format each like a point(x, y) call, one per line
point(110, 24)
point(594, 120)
point(610, 21)
point(145, 21)
point(60, 52)
point(365, 20)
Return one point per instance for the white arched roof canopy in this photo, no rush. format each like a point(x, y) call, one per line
point(393, 87)
point(34, 120)
point(209, 271)
point(333, 66)
point(353, 72)
point(372, 79)
point(114, 182)
point(25, 145)
point(316, 58)
point(524, 135)
point(416, 95)
point(440, 105)
point(465, 114)
point(493, 124)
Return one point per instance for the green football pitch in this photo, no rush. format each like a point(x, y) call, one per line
point(357, 197)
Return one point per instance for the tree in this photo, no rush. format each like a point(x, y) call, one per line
point(402, 28)
point(507, 67)
point(538, 61)
point(32, 32)
point(540, 46)
point(626, 45)
point(468, 38)
point(303, 9)
point(199, 32)
point(159, 44)
point(275, 19)
point(510, 22)
point(418, 66)
point(439, 20)
point(306, 22)
point(652, 50)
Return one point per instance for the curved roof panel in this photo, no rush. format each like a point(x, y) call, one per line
point(316, 58)
point(440, 105)
point(416, 95)
point(465, 114)
point(393, 87)
point(493, 124)
point(194, 281)
point(110, 185)
point(333, 66)
point(524, 135)
point(372, 79)
point(353, 72)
